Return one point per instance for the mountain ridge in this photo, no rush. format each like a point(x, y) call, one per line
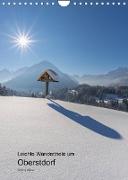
point(115, 77)
point(27, 81)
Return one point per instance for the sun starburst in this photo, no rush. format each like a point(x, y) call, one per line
point(22, 40)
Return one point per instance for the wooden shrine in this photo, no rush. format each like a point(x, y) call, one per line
point(48, 76)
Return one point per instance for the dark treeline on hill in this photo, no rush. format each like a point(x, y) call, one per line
point(6, 91)
point(109, 97)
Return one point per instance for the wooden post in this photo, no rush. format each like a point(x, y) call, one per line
point(47, 85)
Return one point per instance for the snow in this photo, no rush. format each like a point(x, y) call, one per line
point(97, 136)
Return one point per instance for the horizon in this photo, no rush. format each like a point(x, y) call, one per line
point(77, 40)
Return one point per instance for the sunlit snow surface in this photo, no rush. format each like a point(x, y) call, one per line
point(97, 136)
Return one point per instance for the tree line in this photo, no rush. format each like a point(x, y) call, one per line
point(108, 97)
point(6, 91)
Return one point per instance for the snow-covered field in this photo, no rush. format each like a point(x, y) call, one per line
point(97, 136)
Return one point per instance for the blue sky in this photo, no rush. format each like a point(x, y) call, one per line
point(78, 40)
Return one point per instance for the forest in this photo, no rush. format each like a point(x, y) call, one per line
point(109, 97)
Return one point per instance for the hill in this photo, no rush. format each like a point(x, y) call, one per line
point(98, 138)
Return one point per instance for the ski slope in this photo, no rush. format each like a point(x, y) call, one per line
point(98, 137)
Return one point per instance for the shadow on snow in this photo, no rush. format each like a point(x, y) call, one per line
point(86, 121)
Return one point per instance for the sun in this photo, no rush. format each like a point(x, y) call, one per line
point(23, 41)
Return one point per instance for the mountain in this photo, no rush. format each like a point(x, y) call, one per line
point(27, 80)
point(20, 71)
point(5, 75)
point(116, 77)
